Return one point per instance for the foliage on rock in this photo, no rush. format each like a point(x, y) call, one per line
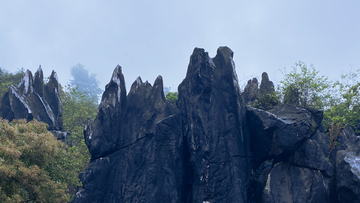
point(266, 101)
point(345, 108)
point(172, 96)
point(77, 109)
point(304, 87)
point(7, 79)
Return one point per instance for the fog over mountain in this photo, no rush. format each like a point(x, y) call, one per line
point(151, 38)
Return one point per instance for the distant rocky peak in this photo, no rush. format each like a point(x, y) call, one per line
point(31, 99)
point(136, 84)
point(26, 84)
point(224, 60)
point(116, 76)
point(115, 90)
point(39, 81)
point(266, 86)
point(54, 80)
point(146, 89)
point(227, 55)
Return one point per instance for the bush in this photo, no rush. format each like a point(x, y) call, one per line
point(172, 96)
point(35, 167)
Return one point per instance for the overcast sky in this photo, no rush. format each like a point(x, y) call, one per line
point(151, 38)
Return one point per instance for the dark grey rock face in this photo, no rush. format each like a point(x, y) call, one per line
point(210, 148)
point(311, 155)
point(217, 153)
point(279, 131)
point(263, 97)
point(135, 144)
point(144, 149)
point(289, 184)
point(288, 162)
point(346, 160)
point(266, 86)
point(251, 91)
point(31, 99)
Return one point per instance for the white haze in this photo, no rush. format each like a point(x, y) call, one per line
point(151, 38)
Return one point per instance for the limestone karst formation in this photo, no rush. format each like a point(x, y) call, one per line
point(210, 147)
point(32, 99)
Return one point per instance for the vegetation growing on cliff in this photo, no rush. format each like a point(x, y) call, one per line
point(77, 109)
point(34, 166)
point(304, 87)
point(28, 171)
point(172, 96)
point(7, 79)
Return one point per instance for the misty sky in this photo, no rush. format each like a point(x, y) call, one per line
point(151, 38)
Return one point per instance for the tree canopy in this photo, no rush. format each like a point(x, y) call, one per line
point(172, 96)
point(304, 87)
point(345, 102)
point(86, 83)
point(35, 167)
point(77, 109)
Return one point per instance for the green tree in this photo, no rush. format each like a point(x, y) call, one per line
point(345, 103)
point(304, 87)
point(34, 166)
point(172, 96)
point(85, 82)
point(7, 79)
point(77, 109)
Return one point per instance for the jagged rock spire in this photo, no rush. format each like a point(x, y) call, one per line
point(30, 99)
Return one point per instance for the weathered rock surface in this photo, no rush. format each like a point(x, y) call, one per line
point(32, 99)
point(266, 86)
point(346, 160)
point(289, 184)
point(210, 148)
point(143, 149)
point(251, 91)
point(278, 132)
point(312, 155)
point(135, 144)
point(264, 96)
point(217, 142)
point(60, 135)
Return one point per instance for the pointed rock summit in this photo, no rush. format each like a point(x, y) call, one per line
point(31, 99)
point(209, 147)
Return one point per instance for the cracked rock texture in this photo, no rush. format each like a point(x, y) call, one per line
point(145, 149)
point(209, 147)
point(32, 99)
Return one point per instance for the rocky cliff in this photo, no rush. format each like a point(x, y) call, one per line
point(210, 147)
point(32, 99)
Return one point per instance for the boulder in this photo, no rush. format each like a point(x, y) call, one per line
point(311, 155)
point(31, 99)
point(278, 132)
point(60, 135)
point(286, 183)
